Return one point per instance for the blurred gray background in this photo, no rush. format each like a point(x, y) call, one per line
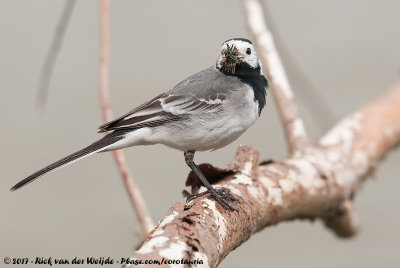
point(350, 50)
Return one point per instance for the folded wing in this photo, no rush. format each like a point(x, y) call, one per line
point(163, 109)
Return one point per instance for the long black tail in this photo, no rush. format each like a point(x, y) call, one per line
point(85, 152)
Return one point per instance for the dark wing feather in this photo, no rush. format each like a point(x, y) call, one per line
point(160, 110)
point(141, 113)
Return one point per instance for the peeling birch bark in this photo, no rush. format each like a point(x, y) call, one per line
point(318, 184)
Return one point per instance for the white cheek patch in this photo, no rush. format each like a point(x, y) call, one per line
point(252, 59)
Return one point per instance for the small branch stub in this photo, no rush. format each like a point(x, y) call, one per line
point(345, 223)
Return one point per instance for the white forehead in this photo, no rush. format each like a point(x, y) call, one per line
point(239, 44)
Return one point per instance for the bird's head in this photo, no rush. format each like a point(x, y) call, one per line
point(238, 57)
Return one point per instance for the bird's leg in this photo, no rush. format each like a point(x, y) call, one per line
point(220, 195)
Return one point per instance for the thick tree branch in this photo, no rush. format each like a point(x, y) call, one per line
point(318, 184)
point(273, 69)
point(132, 189)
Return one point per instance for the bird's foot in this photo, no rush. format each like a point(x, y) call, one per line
point(222, 196)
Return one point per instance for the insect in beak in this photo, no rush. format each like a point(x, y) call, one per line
point(223, 61)
point(231, 57)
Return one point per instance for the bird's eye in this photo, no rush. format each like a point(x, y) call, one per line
point(248, 51)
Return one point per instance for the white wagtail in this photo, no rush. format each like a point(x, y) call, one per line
point(206, 111)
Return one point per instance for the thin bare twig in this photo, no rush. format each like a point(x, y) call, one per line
point(132, 189)
point(52, 53)
point(273, 69)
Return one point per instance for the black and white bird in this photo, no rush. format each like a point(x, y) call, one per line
point(206, 111)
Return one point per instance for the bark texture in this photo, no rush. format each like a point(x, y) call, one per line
point(320, 183)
